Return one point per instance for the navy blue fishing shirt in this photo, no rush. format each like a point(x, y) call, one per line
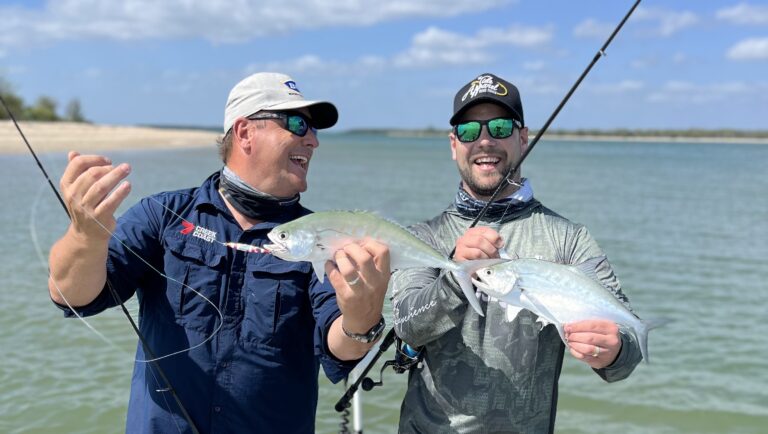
point(259, 372)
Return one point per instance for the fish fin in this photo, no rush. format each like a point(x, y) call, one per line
point(319, 267)
point(543, 321)
point(511, 312)
point(465, 283)
point(544, 313)
point(589, 267)
point(561, 332)
point(642, 336)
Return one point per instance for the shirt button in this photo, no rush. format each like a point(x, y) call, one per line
point(217, 409)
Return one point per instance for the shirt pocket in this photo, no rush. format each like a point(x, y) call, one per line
point(277, 308)
point(195, 273)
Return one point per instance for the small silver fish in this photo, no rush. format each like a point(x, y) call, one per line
point(316, 238)
point(561, 294)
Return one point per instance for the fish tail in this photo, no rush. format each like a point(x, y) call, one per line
point(642, 337)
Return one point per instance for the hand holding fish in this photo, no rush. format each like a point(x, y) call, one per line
point(86, 186)
point(478, 243)
point(595, 342)
point(360, 276)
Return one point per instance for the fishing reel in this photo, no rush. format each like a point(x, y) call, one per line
point(406, 358)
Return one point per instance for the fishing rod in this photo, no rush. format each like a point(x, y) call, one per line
point(413, 356)
point(112, 291)
point(508, 177)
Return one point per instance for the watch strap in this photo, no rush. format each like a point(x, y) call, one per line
point(369, 336)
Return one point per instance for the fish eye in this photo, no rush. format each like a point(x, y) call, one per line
point(282, 235)
point(488, 272)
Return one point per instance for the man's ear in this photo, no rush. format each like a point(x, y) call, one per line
point(523, 138)
point(240, 135)
point(454, 143)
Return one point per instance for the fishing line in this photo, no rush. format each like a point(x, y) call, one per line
point(43, 262)
point(508, 177)
point(390, 337)
point(41, 257)
point(112, 291)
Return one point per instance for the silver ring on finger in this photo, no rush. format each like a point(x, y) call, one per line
point(596, 352)
point(353, 281)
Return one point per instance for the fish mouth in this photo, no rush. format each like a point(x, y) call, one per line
point(481, 285)
point(275, 249)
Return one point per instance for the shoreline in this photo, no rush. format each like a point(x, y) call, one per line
point(83, 137)
point(596, 137)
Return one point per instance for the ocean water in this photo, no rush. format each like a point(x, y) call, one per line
point(685, 226)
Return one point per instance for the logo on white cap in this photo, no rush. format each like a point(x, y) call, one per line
point(292, 85)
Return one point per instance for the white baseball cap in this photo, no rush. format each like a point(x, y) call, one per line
point(274, 91)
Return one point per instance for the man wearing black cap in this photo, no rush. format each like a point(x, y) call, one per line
point(239, 333)
point(497, 370)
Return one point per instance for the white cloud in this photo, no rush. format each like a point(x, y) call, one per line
point(744, 13)
point(431, 48)
point(666, 22)
point(218, 21)
point(534, 66)
point(686, 92)
point(435, 47)
point(591, 28)
point(749, 49)
point(622, 87)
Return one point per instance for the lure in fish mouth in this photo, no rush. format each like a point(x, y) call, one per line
point(294, 245)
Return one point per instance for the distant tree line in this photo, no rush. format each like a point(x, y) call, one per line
point(44, 109)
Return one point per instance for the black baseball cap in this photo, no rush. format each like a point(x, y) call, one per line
point(488, 88)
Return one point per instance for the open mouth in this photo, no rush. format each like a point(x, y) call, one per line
point(480, 284)
point(274, 248)
point(300, 160)
point(487, 163)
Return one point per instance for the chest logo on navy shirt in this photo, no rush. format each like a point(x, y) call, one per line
point(198, 232)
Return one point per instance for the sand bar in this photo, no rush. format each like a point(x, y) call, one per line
point(65, 136)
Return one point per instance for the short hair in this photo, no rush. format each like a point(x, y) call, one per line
point(225, 146)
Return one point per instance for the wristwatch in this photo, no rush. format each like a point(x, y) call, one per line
point(369, 336)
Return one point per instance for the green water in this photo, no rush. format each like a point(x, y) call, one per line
point(685, 225)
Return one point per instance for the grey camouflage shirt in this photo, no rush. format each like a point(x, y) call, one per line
point(489, 374)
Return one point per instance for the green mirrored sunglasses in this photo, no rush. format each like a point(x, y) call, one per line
point(498, 128)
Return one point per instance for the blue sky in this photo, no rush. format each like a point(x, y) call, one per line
point(397, 63)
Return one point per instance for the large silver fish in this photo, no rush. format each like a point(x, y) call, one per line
point(561, 294)
point(316, 238)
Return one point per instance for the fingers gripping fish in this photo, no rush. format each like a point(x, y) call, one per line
point(316, 238)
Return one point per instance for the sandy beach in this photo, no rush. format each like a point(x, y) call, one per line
point(64, 136)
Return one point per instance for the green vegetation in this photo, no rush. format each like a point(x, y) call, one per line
point(687, 133)
point(44, 109)
point(691, 133)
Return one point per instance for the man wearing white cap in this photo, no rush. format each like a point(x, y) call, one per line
point(240, 333)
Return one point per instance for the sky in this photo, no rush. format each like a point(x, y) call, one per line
point(396, 63)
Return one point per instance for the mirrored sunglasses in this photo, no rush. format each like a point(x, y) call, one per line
point(294, 122)
point(498, 128)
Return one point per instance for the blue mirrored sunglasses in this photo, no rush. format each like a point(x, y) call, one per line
point(294, 122)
